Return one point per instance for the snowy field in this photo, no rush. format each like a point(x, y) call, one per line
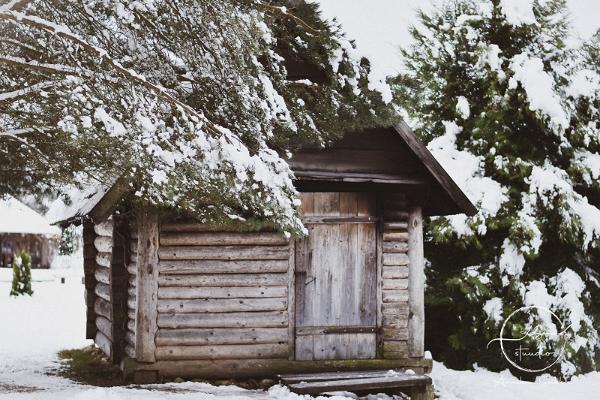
point(34, 328)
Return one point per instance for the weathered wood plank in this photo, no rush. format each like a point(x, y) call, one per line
point(267, 319)
point(102, 290)
point(365, 384)
point(215, 352)
point(332, 376)
point(223, 252)
point(103, 308)
point(223, 280)
point(198, 337)
point(395, 259)
point(175, 267)
point(253, 368)
point(221, 292)
point(146, 311)
point(221, 305)
point(103, 344)
point(105, 326)
point(222, 239)
point(416, 289)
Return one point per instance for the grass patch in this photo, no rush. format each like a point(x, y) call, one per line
point(90, 366)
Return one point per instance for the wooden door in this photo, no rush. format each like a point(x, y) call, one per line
point(336, 270)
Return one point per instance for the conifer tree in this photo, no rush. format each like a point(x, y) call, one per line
point(21, 283)
point(494, 93)
point(195, 104)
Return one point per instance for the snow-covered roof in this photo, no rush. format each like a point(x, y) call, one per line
point(16, 217)
point(82, 202)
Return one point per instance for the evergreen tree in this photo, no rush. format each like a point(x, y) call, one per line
point(195, 104)
point(21, 283)
point(494, 93)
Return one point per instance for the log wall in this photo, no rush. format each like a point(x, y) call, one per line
point(103, 308)
point(222, 295)
point(131, 295)
point(394, 283)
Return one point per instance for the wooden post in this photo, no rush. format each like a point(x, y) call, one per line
point(146, 307)
point(416, 284)
point(89, 266)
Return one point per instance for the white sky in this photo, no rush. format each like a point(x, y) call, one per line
point(381, 26)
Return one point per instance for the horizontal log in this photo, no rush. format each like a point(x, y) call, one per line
point(132, 268)
point(391, 333)
point(223, 253)
point(393, 236)
point(103, 244)
point(394, 284)
point(267, 319)
point(130, 314)
point(398, 309)
point(133, 249)
point(221, 305)
point(130, 351)
point(394, 215)
point(268, 368)
point(131, 303)
point(183, 227)
point(395, 259)
point(395, 247)
point(394, 272)
point(133, 232)
point(222, 239)
point(391, 296)
point(102, 290)
point(103, 307)
point(102, 275)
point(395, 347)
point(131, 291)
point(103, 343)
point(395, 226)
point(104, 325)
point(224, 280)
point(131, 325)
point(395, 321)
point(175, 267)
point(132, 281)
point(103, 259)
point(216, 352)
point(130, 338)
point(198, 337)
point(221, 292)
point(104, 228)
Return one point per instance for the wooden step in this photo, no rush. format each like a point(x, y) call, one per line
point(332, 376)
point(382, 383)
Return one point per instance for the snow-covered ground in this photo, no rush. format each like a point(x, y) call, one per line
point(33, 329)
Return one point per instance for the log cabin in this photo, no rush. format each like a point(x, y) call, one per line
point(23, 229)
point(169, 297)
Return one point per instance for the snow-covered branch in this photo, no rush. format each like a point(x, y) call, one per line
point(24, 92)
